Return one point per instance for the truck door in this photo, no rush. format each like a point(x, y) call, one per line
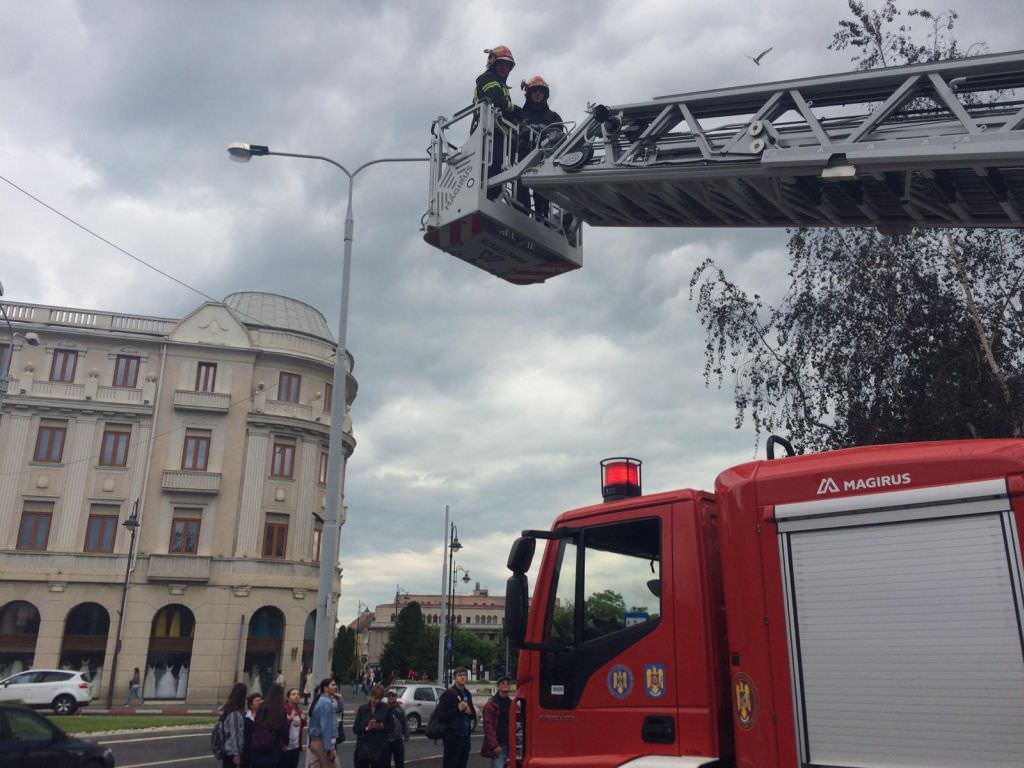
point(605, 693)
point(904, 621)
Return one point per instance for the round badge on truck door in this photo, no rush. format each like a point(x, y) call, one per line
point(746, 701)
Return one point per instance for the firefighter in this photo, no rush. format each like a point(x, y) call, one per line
point(537, 115)
point(491, 86)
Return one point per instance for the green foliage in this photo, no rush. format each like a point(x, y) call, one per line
point(877, 338)
point(468, 646)
point(403, 649)
point(607, 604)
point(343, 655)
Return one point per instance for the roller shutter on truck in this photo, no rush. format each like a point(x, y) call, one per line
point(904, 623)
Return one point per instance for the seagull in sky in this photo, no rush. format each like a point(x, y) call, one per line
point(761, 55)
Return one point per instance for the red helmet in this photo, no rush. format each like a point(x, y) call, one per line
point(499, 53)
point(535, 82)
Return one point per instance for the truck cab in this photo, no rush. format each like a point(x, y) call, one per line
point(622, 650)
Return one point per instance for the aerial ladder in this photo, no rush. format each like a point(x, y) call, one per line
point(933, 145)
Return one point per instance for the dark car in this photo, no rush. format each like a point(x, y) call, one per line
point(29, 740)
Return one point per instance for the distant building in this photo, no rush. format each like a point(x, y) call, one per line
point(478, 612)
point(217, 423)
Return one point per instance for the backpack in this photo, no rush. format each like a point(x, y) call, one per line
point(265, 739)
point(217, 739)
point(435, 728)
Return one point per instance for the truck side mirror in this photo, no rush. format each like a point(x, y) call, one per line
point(521, 555)
point(517, 599)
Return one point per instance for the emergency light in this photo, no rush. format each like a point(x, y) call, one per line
point(620, 478)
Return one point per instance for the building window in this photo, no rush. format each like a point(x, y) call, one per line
point(64, 363)
point(50, 442)
point(35, 527)
point(206, 377)
point(284, 460)
point(196, 453)
point(99, 535)
point(184, 535)
point(126, 371)
point(328, 396)
point(114, 451)
point(275, 538)
point(288, 386)
point(5, 359)
point(322, 473)
point(318, 534)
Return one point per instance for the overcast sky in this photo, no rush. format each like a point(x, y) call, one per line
point(498, 400)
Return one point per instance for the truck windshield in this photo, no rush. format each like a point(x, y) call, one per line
point(616, 583)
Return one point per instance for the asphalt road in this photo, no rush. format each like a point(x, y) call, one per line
point(191, 749)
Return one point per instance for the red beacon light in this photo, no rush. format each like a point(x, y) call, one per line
point(620, 478)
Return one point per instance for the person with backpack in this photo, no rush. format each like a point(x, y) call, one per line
point(228, 739)
point(269, 731)
point(372, 726)
point(296, 729)
point(455, 713)
point(323, 726)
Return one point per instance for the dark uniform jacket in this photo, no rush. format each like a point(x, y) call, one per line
point(536, 116)
point(489, 87)
point(455, 723)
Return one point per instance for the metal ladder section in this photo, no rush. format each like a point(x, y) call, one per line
point(939, 144)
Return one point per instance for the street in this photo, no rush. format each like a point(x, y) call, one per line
point(191, 749)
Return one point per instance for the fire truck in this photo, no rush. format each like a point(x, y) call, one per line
point(857, 608)
point(854, 609)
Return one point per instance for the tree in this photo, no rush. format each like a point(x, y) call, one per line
point(343, 655)
point(401, 653)
point(467, 647)
point(606, 604)
point(877, 338)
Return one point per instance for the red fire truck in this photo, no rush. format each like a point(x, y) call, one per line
point(857, 608)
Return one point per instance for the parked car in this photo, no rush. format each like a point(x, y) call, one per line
point(29, 740)
point(61, 690)
point(419, 701)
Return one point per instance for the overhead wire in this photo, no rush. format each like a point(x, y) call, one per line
point(152, 439)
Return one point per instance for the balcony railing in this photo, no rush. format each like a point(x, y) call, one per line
point(291, 410)
point(201, 401)
point(191, 481)
point(119, 395)
point(58, 389)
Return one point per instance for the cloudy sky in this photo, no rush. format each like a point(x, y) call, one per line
point(495, 399)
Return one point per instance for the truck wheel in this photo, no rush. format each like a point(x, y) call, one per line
point(64, 705)
point(414, 722)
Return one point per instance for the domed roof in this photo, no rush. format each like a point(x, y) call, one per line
point(274, 311)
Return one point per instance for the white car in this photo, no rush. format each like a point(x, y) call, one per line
point(61, 690)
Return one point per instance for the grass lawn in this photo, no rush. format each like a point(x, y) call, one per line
point(95, 723)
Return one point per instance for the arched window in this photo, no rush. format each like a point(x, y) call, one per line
point(170, 653)
point(308, 639)
point(263, 648)
point(19, 628)
point(85, 642)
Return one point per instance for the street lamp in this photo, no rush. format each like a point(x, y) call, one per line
point(132, 524)
point(448, 550)
point(336, 458)
point(451, 619)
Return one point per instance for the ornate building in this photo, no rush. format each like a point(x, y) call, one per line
point(216, 427)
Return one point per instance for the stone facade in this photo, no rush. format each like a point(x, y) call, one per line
point(217, 425)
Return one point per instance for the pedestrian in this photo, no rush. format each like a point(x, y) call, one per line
point(456, 713)
point(297, 722)
point(135, 688)
point(357, 683)
point(537, 116)
point(399, 733)
point(253, 702)
point(323, 726)
point(339, 714)
point(279, 680)
point(372, 727)
point(305, 686)
point(496, 725)
point(491, 87)
point(269, 732)
point(232, 717)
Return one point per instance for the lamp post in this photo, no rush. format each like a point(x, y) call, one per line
point(132, 524)
point(336, 457)
point(451, 620)
point(451, 546)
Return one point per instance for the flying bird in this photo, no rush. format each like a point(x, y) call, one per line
point(761, 55)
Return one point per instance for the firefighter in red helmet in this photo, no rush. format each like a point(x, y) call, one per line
point(537, 116)
point(491, 86)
